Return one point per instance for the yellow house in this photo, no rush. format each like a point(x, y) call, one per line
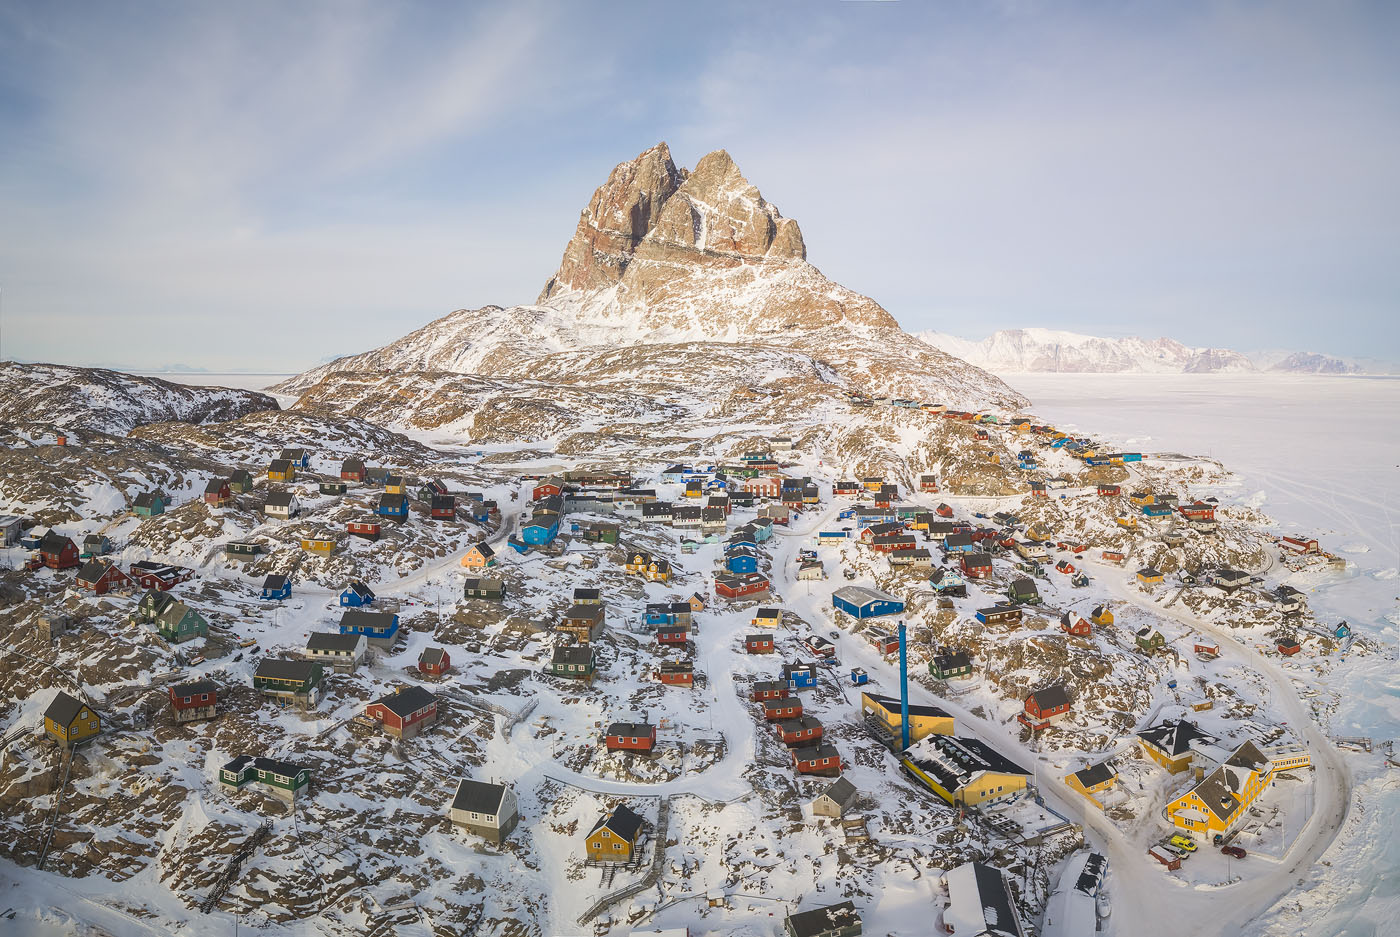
point(923, 720)
point(1286, 760)
point(281, 470)
point(615, 836)
point(1095, 779)
point(393, 484)
point(1149, 576)
point(1128, 521)
point(1221, 800)
point(1037, 534)
point(1101, 615)
point(873, 482)
point(638, 561)
point(993, 457)
point(1142, 497)
point(479, 556)
point(963, 770)
point(767, 618)
point(322, 544)
point(1169, 743)
point(658, 571)
point(69, 721)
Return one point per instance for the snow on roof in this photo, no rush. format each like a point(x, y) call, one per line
point(979, 903)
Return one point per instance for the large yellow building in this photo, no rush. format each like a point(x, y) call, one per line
point(1169, 743)
point(923, 720)
point(69, 720)
point(1220, 801)
point(615, 836)
point(963, 770)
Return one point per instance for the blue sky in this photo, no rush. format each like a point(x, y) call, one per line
point(264, 185)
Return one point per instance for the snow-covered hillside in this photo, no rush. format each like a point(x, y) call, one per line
point(1050, 350)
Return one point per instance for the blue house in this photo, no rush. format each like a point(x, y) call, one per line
point(660, 615)
point(1098, 460)
point(32, 538)
point(392, 505)
point(380, 628)
point(761, 531)
point(1130, 457)
point(298, 457)
point(948, 580)
point(741, 561)
point(355, 595)
point(1156, 510)
point(800, 676)
point(859, 677)
point(1059, 443)
point(675, 473)
point(542, 529)
point(832, 535)
point(861, 602)
point(718, 483)
point(276, 587)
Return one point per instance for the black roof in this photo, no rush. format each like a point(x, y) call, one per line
point(390, 500)
point(444, 501)
point(147, 499)
point(623, 822)
point(572, 655)
point(407, 700)
point(631, 729)
point(53, 543)
point(195, 687)
point(953, 761)
point(1174, 736)
point(359, 618)
point(215, 486)
point(275, 581)
point(274, 766)
point(977, 559)
point(281, 499)
point(582, 593)
point(64, 709)
point(331, 641)
point(823, 920)
point(1051, 696)
point(93, 570)
point(952, 661)
point(1024, 586)
point(892, 704)
point(1095, 774)
point(478, 796)
point(279, 465)
point(281, 668)
point(359, 588)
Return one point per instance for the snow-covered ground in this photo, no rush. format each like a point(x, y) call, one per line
point(1319, 455)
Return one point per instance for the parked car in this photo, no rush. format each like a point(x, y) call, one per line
point(1234, 852)
point(1184, 842)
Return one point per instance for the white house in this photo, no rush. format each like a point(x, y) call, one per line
point(488, 810)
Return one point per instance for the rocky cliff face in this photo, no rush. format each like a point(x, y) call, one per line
point(666, 256)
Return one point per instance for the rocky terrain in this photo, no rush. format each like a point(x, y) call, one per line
point(45, 397)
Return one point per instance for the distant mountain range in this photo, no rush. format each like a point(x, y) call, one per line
point(1047, 350)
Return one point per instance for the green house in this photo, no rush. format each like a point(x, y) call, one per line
point(1149, 641)
point(151, 605)
point(289, 682)
point(241, 481)
point(242, 548)
point(949, 665)
point(149, 504)
point(332, 488)
point(177, 623)
point(600, 533)
point(1023, 592)
point(281, 778)
point(573, 663)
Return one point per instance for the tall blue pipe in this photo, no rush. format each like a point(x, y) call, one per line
point(903, 687)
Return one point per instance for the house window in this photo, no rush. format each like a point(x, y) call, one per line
point(617, 847)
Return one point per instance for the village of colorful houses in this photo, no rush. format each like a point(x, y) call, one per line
point(658, 691)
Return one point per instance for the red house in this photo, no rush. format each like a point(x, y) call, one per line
point(1300, 545)
point(672, 634)
point(196, 700)
point(821, 759)
point(888, 543)
point(928, 483)
point(100, 577)
point(805, 731)
point(1108, 491)
point(546, 488)
point(1038, 490)
point(1078, 625)
point(1198, 511)
point(404, 712)
point(367, 529)
point(218, 492)
point(943, 510)
point(149, 575)
point(976, 565)
point(758, 644)
point(846, 488)
point(630, 737)
point(776, 710)
point(58, 552)
point(352, 470)
point(434, 661)
point(443, 508)
point(983, 435)
point(676, 673)
point(738, 586)
point(765, 690)
point(764, 487)
point(1045, 706)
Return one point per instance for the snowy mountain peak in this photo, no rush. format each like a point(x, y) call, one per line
point(1050, 350)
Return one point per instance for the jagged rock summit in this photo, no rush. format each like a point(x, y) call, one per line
point(664, 267)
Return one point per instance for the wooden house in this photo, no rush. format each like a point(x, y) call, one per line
point(341, 652)
point(218, 492)
point(630, 737)
point(803, 732)
point(241, 481)
point(1149, 641)
point(1093, 779)
point(276, 587)
point(352, 470)
point(331, 488)
point(1023, 591)
point(282, 505)
point(1072, 623)
point(1221, 800)
point(487, 810)
point(70, 721)
point(430, 489)
point(190, 702)
point(838, 798)
point(479, 556)
point(583, 622)
point(820, 760)
point(861, 603)
point(356, 595)
point(764, 690)
point(1108, 491)
point(240, 549)
point(1113, 556)
point(394, 484)
point(573, 663)
point(281, 470)
point(178, 623)
point(1149, 576)
point(598, 532)
point(149, 574)
point(949, 664)
point(1172, 743)
point(963, 770)
point(58, 552)
point(492, 590)
point(1044, 707)
point(999, 615)
point(379, 628)
point(615, 838)
point(321, 543)
point(928, 483)
point(299, 458)
point(948, 582)
point(282, 779)
point(888, 543)
point(149, 504)
point(443, 508)
point(405, 712)
point(676, 634)
point(100, 577)
point(368, 528)
point(759, 644)
point(1198, 511)
point(93, 544)
point(1207, 648)
point(676, 673)
point(1300, 545)
point(733, 586)
point(294, 683)
point(776, 710)
point(975, 565)
point(393, 504)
